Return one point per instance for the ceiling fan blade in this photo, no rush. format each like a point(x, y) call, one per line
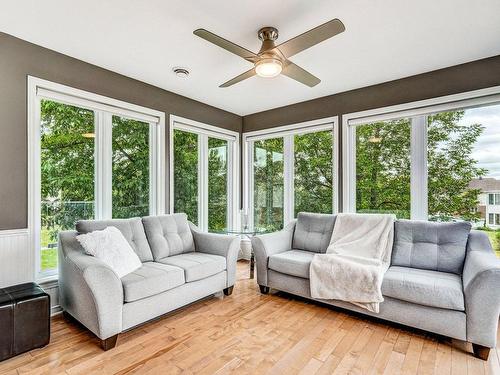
point(297, 73)
point(311, 38)
point(226, 44)
point(241, 77)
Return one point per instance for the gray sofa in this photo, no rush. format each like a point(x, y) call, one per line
point(443, 277)
point(180, 265)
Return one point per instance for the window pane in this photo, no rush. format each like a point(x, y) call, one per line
point(383, 167)
point(268, 184)
point(186, 174)
point(217, 184)
point(464, 167)
point(313, 181)
point(67, 173)
point(130, 187)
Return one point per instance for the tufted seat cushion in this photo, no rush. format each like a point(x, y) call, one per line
point(196, 265)
point(132, 230)
point(430, 246)
point(429, 288)
point(313, 232)
point(151, 279)
point(168, 235)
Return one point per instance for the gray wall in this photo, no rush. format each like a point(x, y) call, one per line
point(18, 59)
point(460, 78)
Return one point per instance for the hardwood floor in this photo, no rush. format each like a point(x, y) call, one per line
point(249, 333)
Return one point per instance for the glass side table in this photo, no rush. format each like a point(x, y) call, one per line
point(248, 233)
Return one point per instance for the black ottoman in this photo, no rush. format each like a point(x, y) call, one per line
point(24, 319)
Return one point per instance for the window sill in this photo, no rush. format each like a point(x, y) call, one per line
point(48, 280)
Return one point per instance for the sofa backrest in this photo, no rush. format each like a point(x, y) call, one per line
point(131, 229)
point(430, 245)
point(313, 231)
point(168, 235)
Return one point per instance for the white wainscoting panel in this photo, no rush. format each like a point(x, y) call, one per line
point(16, 258)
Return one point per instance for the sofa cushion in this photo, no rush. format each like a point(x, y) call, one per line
point(430, 246)
point(152, 278)
point(131, 229)
point(197, 265)
point(424, 287)
point(292, 262)
point(168, 235)
point(313, 232)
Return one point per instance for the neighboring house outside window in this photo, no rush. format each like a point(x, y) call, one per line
point(489, 200)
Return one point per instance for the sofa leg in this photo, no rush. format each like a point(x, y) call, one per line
point(481, 352)
point(264, 289)
point(109, 343)
point(229, 290)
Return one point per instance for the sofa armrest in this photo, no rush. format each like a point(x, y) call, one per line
point(89, 290)
point(481, 279)
point(266, 245)
point(218, 244)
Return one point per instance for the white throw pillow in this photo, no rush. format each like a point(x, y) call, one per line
point(110, 246)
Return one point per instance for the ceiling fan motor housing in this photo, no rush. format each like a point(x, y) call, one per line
point(268, 35)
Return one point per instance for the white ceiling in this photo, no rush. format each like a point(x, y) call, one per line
point(384, 40)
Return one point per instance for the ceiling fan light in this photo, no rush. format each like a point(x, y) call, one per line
point(268, 67)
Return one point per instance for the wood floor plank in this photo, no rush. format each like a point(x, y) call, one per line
point(251, 333)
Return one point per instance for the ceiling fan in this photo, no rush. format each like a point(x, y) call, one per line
point(272, 60)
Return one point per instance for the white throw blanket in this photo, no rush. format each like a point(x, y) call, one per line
point(356, 260)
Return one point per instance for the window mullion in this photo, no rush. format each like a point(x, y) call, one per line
point(418, 180)
point(249, 183)
point(103, 165)
point(288, 176)
point(203, 181)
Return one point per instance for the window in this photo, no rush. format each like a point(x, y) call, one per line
point(313, 172)
point(217, 184)
point(130, 175)
point(268, 166)
point(289, 170)
point(186, 174)
point(203, 174)
point(383, 167)
point(443, 163)
point(67, 173)
point(494, 199)
point(90, 157)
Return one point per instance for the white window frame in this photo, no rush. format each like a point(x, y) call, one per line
point(104, 108)
point(418, 112)
point(287, 132)
point(204, 131)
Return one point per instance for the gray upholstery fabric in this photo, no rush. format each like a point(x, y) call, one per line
point(218, 244)
point(152, 278)
point(266, 245)
point(481, 279)
point(131, 229)
point(430, 246)
point(445, 322)
point(141, 311)
point(197, 265)
point(424, 287)
point(168, 235)
point(313, 231)
point(293, 262)
point(88, 289)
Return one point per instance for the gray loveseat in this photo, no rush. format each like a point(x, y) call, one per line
point(442, 278)
point(180, 265)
